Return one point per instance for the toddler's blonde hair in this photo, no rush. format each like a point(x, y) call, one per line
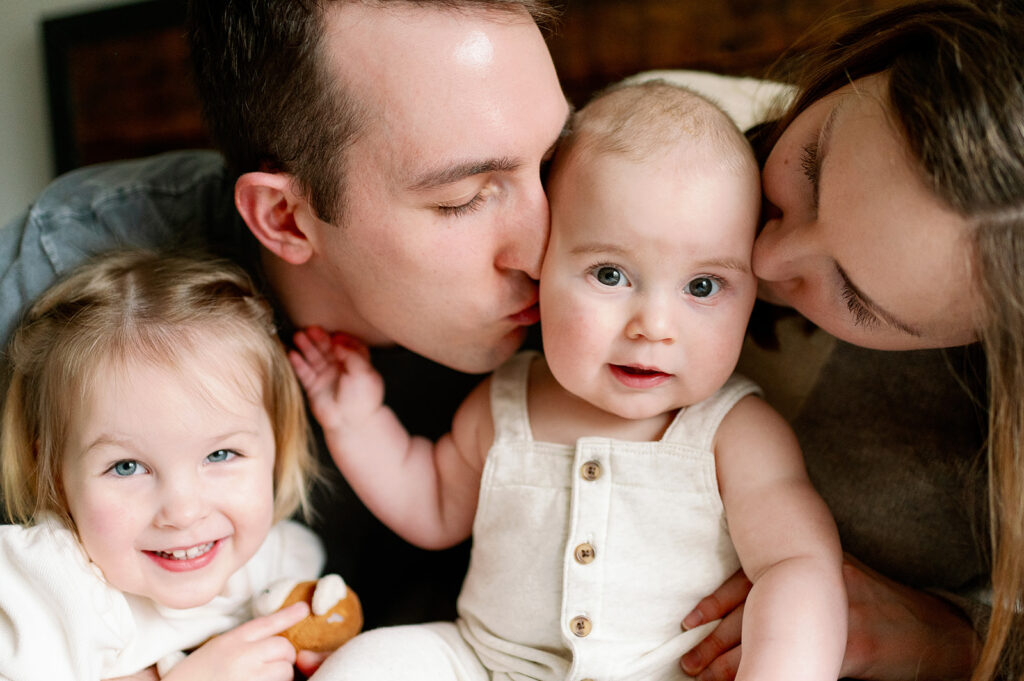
point(138, 306)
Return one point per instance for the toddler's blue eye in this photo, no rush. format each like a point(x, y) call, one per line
point(702, 287)
point(220, 455)
point(125, 468)
point(610, 276)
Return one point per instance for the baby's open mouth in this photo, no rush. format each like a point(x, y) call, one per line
point(638, 371)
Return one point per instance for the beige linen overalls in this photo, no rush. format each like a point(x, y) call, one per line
point(585, 558)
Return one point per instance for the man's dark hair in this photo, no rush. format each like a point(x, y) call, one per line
point(268, 98)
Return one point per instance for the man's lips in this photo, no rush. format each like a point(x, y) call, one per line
point(527, 316)
point(634, 376)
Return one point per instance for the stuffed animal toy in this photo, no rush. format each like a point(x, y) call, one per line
point(335, 612)
point(335, 615)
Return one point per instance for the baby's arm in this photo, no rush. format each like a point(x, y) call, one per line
point(425, 492)
point(794, 621)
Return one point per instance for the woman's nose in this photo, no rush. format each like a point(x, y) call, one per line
point(781, 251)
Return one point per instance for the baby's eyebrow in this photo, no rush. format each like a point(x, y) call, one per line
point(453, 172)
point(727, 263)
point(598, 247)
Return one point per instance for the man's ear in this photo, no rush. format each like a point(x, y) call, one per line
point(270, 205)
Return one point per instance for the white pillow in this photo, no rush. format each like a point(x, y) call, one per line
point(746, 100)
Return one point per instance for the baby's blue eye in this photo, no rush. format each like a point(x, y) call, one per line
point(220, 455)
point(126, 468)
point(702, 287)
point(609, 275)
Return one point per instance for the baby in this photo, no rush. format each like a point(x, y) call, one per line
point(154, 440)
point(614, 481)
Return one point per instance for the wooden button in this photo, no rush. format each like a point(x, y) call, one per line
point(580, 626)
point(584, 554)
point(590, 471)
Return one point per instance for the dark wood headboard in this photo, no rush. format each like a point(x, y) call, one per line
point(120, 83)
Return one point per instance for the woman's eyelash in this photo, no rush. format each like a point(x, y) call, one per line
point(862, 316)
point(456, 211)
point(809, 162)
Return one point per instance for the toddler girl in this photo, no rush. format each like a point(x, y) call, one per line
point(153, 442)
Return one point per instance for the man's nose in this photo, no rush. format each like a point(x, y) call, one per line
point(526, 233)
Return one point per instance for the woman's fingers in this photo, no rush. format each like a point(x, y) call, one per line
point(719, 652)
point(724, 600)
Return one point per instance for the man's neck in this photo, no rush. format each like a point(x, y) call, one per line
point(306, 299)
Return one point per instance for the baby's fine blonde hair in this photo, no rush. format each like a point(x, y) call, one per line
point(642, 119)
point(127, 307)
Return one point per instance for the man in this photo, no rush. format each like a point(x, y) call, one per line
point(388, 160)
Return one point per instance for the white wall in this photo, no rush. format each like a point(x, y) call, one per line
point(26, 156)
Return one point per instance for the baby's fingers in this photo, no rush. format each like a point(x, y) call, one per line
point(354, 361)
point(352, 343)
point(315, 346)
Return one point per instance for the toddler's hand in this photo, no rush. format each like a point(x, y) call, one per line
point(342, 386)
point(249, 652)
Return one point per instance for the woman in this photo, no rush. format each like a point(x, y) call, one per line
point(894, 220)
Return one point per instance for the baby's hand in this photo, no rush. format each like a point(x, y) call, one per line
point(250, 652)
point(342, 386)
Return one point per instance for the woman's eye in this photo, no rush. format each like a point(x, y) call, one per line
point(702, 287)
point(220, 455)
point(609, 275)
point(127, 468)
point(809, 162)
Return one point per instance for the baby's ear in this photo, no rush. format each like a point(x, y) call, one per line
point(276, 213)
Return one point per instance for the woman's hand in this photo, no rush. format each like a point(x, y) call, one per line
point(896, 633)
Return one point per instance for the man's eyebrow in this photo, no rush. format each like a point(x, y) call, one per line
point(879, 311)
point(453, 172)
point(450, 173)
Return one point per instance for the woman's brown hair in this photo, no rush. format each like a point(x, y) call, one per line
point(956, 92)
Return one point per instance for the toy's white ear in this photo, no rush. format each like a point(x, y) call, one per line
point(273, 596)
point(269, 203)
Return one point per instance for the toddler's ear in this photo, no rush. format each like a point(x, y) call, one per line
point(276, 213)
